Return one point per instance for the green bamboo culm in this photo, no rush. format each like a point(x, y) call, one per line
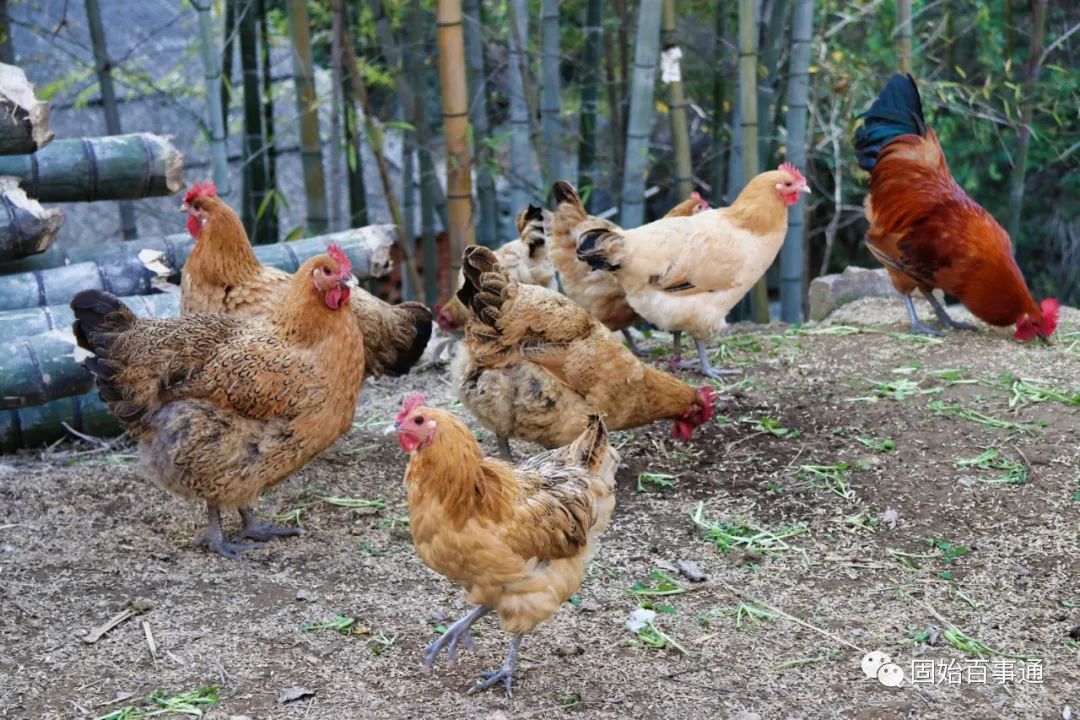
point(1027, 108)
point(122, 167)
point(759, 296)
point(903, 35)
point(354, 158)
point(270, 214)
point(798, 95)
point(422, 137)
point(103, 65)
point(773, 31)
point(39, 425)
point(549, 100)
point(219, 156)
point(307, 109)
point(253, 207)
point(228, 45)
point(522, 157)
point(590, 90)
point(7, 53)
point(680, 130)
point(718, 138)
point(639, 125)
point(487, 224)
point(26, 227)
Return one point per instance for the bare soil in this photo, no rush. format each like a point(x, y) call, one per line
point(896, 554)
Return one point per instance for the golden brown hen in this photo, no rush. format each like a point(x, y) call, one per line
point(224, 407)
point(534, 363)
point(224, 275)
point(516, 539)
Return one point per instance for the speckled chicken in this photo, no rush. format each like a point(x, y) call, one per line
point(516, 539)
point(225, 407)
point(224, 275)
point(534, 363)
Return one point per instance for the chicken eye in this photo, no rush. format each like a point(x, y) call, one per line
point(418, 420)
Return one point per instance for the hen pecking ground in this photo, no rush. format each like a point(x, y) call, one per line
point(863, 491)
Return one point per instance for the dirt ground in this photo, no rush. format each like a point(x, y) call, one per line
point(809, 567)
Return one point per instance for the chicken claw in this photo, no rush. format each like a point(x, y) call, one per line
point(457, 635)
point(214, 540)
point(505, 673)
point(918, 327)
point(632, 344)
point(703, 366)
point(943, 316)
point(261, 532)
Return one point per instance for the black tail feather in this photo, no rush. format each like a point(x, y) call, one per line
point(588, 250)
point(896, 111)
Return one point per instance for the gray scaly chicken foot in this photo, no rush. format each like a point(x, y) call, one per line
point(457, 635)
point(215, 540)
point(943, 316)
point(630, 343)
point(261, 532)
point(504, 674)
point(918, 327)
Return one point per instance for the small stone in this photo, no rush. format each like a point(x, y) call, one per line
point(828, 292)
point(690, 570)
point(305, 595)
point(1022, 571)
point(588, 606)
point(566, 647)
point(292, 694)
point(1075, 633)
point(746, 715)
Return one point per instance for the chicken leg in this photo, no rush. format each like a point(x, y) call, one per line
point(676, 348)
point(455, 635)
point(504, 673)
point(943, 316)
point(918, 327)
point(703, 365)
point(630, 343)
point(261, 532)
point(215, 540)
point(504, 448)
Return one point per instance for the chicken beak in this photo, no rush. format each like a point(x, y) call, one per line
point(805, 189)
point(392, 428)
point(183, 207)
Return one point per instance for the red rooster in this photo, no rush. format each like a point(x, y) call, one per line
point(928, 233)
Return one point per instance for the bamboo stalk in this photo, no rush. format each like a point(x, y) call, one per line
point(455, 106)
point(7, 54)
point(336, 12)
point(903, 33)
point(421, 138)
point(358, 215)
point(1027, 110)
point(375, 140)
point(25, 227)
point(798, 94)
point(759, 296)
point(549, 101)
point(307, 109)
point(615, 109)
point(253, 208)
point(270, 213)
point(40, 425)
point(680, 130)
point(522, 158)
point(124, 167)
point(219, 156)
point(639, 125)
point(108, 100)
point(24, 120)
point(228, 44)
point(487, 225)
point(721, 70)
point(590, 90)
point(767, 88)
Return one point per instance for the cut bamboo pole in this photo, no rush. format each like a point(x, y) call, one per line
point(24, 120)
point(219, 155)
point(1027, 108)
point(103, 65)
point(25, 227)
point(253, 208)
point(671, 75)
point(455, 106)
point(549, 99)
point(487, 225)
point(759, 296)
point(40, 425)
point(122, 167)
point(639, 125)
point(308, 110)
point(798, 94)
point(117, 268)
point(590, 91)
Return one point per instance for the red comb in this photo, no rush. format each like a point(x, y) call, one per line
point(206, 188)
point(412, 401)
point(793, 171)
point(696, 196)
point(344, 264)
point(1049, 307)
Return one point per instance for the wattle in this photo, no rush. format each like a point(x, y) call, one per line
point(408, 443)
point(336, 297)
point(194, 226)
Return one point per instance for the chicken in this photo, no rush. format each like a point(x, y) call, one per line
point(685, 274)
point(534, 363)
point(224, 275)
point(516, 539)
point(224, 407)
point(525, 259)
point(597, 292)
point(928, 233)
